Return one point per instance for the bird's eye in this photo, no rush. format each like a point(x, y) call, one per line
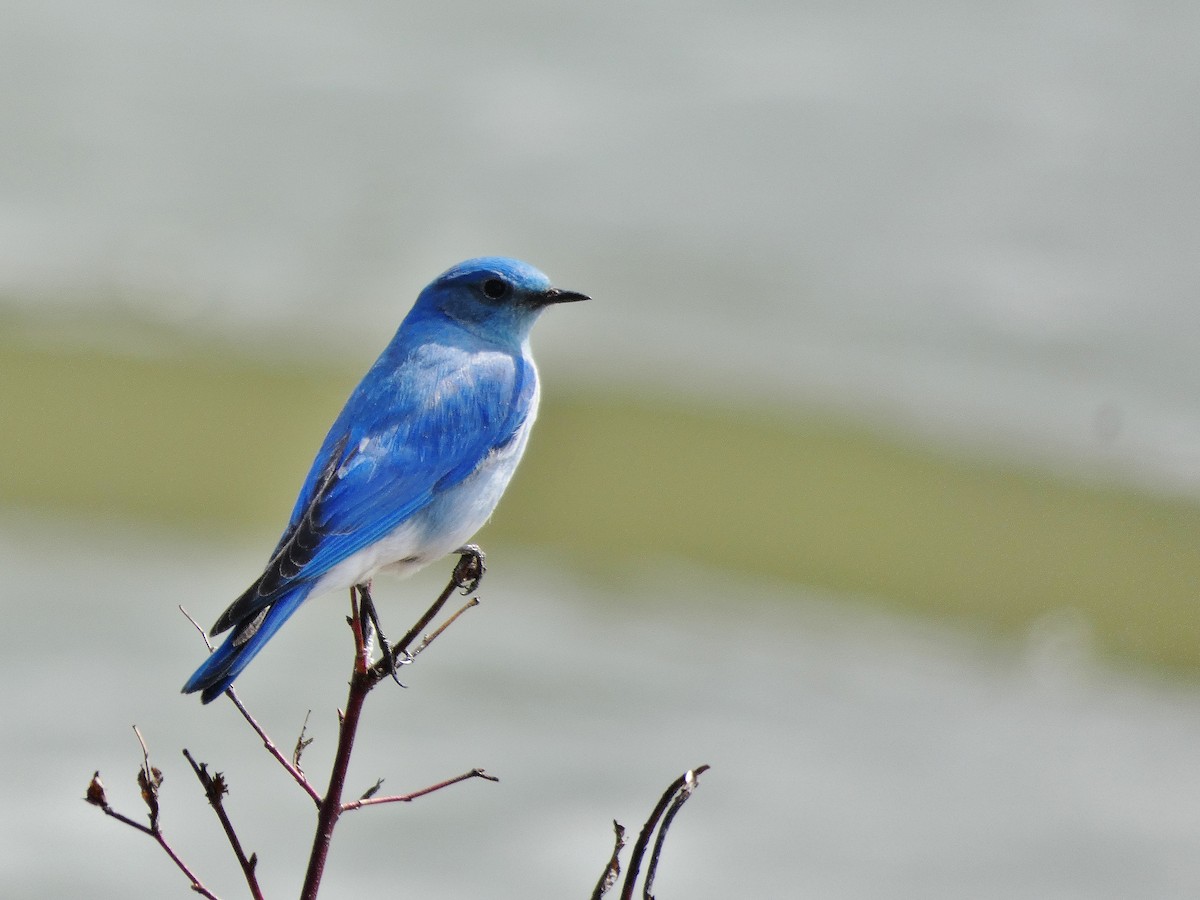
point(495, 289)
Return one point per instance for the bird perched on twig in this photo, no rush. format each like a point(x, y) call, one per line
point(417, 459)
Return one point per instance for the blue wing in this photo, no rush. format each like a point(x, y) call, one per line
point(417, 425)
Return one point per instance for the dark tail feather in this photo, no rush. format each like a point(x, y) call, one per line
point(249, 636)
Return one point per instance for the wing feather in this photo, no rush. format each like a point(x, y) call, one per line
point(401, 440)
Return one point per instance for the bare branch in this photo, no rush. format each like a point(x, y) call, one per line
point(302, 743)
point(197, 885)
point(95, 795)
point(196, 625)
point(365, 676)
point(330, 807)
point(379, 671)
point(407, 798)
point(149, 780)
point(297, 775)
point(690, 783)
point(467, 573)
point(292, 768)
point(215, 790)
point(430, 638)
point(684, 783)
point(613, 870)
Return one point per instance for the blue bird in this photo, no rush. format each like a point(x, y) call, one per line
point(417, 459)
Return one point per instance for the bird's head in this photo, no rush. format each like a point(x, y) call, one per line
point(495, 297)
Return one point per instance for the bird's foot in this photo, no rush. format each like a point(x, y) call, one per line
point(468, 573)
point(369, 616)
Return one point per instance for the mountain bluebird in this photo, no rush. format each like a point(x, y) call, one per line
point(416, 461)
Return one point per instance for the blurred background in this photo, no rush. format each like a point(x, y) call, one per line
point(870, 477)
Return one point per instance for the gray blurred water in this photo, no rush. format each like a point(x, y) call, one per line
point(854, 755)
point(975, 221)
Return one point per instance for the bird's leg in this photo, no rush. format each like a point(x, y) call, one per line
point(469, 571)
point(368, 620)
point(367, 612)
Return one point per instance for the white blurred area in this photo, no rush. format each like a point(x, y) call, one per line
point(853, 754)
point(979, 223)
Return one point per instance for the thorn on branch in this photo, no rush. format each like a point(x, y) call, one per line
point(372, 790)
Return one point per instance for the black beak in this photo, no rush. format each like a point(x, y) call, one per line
point(557, 295)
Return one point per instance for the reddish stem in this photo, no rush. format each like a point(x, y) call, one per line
point(408, 798)
point(331, 805)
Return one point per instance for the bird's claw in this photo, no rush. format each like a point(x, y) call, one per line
point(468, 573)
point(369, 619)
point(393, 663)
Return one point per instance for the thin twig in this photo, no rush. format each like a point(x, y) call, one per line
point(408, 798)
point(430, 638)
point(302, 743)
point(197, 884)
point(293, 770)
point(379, 671)
point(365, 676)
point(639, 848)
point(369, 792)
point(613, 870)
point(196, 625)
point(96, 797)
point(215, 790)
point(330, 807)
point(149, 779)
point(120, 817)
point(689, 785)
